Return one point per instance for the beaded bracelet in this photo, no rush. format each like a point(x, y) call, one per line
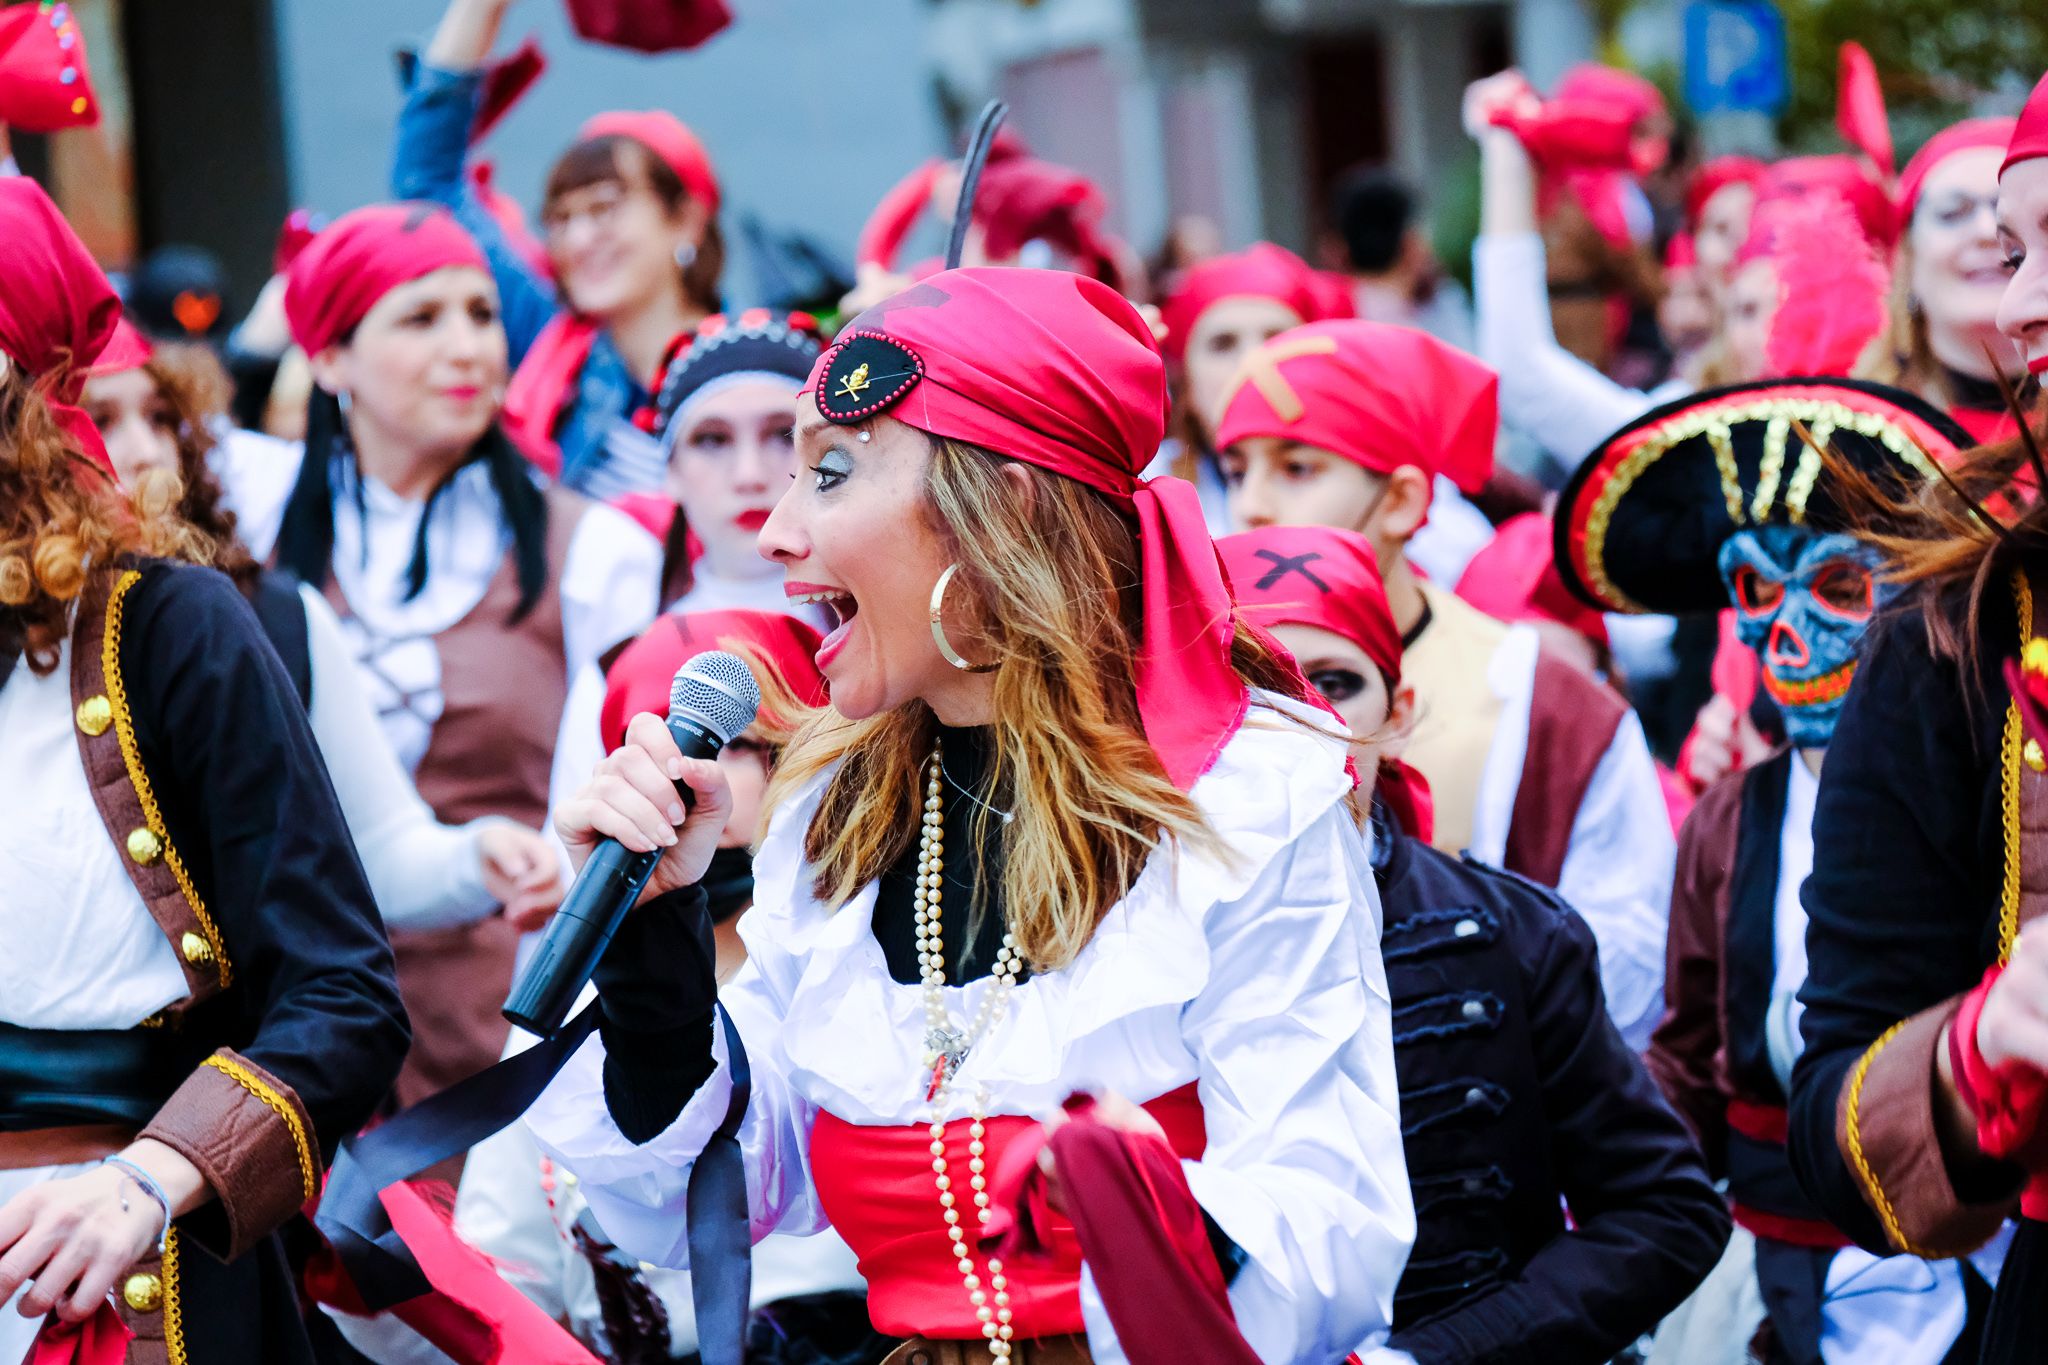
point(149, 1187)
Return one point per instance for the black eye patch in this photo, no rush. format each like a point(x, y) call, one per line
point(866, 374)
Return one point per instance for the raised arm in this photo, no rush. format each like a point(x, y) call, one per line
point(430, 161)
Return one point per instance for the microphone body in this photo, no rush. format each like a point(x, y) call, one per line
point(614, 876)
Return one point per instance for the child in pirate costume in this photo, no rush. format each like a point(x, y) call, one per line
point(197, 1000)
point(1534, 766)
point(1717, 499)
point(1519, 1100)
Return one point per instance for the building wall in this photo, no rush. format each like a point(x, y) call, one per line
point(811, 108)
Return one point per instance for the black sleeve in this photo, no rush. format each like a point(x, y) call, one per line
point(1902, 903)
point(656, 986)
point(316, 1018)
point(1648, 1224)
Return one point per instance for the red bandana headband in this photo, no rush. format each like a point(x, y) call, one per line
point(1261, 270)
point(364, 255)
point(1379, 395)
point(1958, 137)
point(1326, 578)
point(57, 311)
point(1060, 371)
point(639, 679)
point(2030, 133)
point(672, 143)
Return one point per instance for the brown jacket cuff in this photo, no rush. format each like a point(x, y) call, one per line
point(1885, 1126)
point(248, 1134)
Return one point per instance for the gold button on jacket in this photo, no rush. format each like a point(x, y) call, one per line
point(144, 1293)
point(144, 846)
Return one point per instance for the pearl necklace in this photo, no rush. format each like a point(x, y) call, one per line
point(945, 1049)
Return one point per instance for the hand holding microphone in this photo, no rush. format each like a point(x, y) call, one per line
point(647, 822)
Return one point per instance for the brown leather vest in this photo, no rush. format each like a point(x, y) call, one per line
point(503, 684)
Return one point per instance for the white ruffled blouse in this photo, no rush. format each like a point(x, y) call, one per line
point(1257, 978)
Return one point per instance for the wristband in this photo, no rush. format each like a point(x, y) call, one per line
point(150, 1187)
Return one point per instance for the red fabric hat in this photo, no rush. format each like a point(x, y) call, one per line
point(1713, 177)
point(1514, 577)
point(57, 311)
point(1842, 176)
point(1383, 396)
point(362, 257)
point(639, 679)
point(1261, 270)
point(2030, 133)
point(1322, 577)
point(44, 84)
point(1060, 371)
point(128, 349)
point(1957, 137)
point(301, 226)
point(670, 139)
point(1621, 90)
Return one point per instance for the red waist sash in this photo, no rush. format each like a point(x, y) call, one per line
point(876, 1186)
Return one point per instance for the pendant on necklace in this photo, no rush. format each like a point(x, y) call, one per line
point(946, 1048)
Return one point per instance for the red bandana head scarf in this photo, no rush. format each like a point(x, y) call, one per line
point(1714, 176)
point(1957, 137)
point(1322, 577)
point(671, 142)
point(1261, 270)
point(1382, 396)
point(57, 311)
point(128, 350)
point(1060, 371)
point(361, 257)
point(640, 677)
point(2030, 133)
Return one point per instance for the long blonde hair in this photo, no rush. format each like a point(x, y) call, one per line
point(1050, 580)
point(1901, 355)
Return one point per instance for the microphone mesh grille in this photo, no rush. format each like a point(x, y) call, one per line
point(718, 690)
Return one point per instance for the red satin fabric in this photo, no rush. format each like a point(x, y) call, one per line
point(1713, 177)
point(639, 679)
point(1514, 577)
point(57, 311)
point(101, 1339)
point(2030, 133)
point(1060, 371)
point(1380, 395)
point(1140, 1231)
point(2008, 1102)
point(649, 25)
point(876, 1187)
point(361, 257)
point(129, 349)
point(1261, 270)
point(541, 387)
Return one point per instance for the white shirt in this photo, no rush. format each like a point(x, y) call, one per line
point(1619, 861)
point(1185, 980)
point(82, 950)
point(1788, 921)
point(609, 584)
point(1546, 392)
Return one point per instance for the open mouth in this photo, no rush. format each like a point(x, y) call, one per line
point(839, 603)
point(1830, 686)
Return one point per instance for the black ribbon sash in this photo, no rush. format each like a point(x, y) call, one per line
point(383, 1268)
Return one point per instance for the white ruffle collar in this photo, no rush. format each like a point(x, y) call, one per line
point(852, 1037)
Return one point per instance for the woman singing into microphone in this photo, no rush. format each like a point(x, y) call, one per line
point(1068, 824)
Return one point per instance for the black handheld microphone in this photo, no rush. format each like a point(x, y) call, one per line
point(714, 697)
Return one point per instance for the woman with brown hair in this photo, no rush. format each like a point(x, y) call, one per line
point(630, 222)
point(196, 1001)
point(1062, 807)
point(1918, 1105)
point(155, 409)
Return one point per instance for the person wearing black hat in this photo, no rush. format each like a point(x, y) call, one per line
point(1725, 497)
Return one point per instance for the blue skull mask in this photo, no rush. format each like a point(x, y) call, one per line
point(1802, 601)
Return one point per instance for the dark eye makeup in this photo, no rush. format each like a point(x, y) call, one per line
point(1337, 684)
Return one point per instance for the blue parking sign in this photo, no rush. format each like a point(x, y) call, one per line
point(1734, 57)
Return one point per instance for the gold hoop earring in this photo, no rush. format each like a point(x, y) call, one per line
point(952, 655)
